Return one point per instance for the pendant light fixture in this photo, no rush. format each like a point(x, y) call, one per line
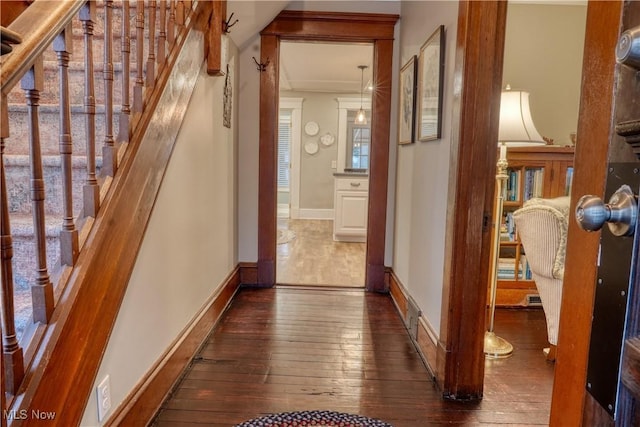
point(361, 117)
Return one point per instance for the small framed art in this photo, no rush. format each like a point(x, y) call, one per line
point(407, 110)
point(430, 83)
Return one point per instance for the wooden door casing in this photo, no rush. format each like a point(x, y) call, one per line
point(377, 29)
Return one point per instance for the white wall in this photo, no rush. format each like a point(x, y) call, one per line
point(248, 144)
point(316, 174)
point(543, 56)
point(249, 87)
point(423, 171)
point(190, 244)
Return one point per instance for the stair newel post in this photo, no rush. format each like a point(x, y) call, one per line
point(90, 189)
point(125, 112)
point(139, 85)
point(171, 25)
point(11, 352)
point(151, 59)
point(109, 157)
point(62, 45)
point(162, 34)
point(42, 289)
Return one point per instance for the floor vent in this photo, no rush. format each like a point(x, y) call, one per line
point(413, 314)
point(534, 300)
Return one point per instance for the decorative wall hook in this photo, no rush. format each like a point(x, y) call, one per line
point(261, 66)
point(226, 24)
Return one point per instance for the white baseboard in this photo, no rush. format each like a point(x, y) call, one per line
point(315, 214)
point(283, 210)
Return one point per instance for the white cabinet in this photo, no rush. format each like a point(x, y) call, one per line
point(350, 207)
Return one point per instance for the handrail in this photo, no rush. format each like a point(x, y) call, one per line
point(53, 18)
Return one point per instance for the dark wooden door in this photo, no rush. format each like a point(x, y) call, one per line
point(613, 368)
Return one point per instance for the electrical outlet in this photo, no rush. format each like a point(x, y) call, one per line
point(334, 164)
point(103, 392)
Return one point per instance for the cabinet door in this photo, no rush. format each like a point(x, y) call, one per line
point(351, 209)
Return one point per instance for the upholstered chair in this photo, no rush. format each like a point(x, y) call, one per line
point(542, 227)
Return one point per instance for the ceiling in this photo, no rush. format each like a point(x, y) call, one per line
point(304, 66)
point(324, 67)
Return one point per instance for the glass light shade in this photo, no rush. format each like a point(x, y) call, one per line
point(361, 117)
point(516, 125)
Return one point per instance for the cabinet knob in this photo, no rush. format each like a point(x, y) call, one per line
point(620, 213)
point(355, 184)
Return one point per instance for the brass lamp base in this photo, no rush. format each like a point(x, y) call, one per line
point(496, 347)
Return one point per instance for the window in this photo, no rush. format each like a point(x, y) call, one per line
point(361, 141)
point(284, 148)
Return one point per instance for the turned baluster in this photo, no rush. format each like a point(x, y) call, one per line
point(171, 26)
point(125, 112)
point(109, 158)
point(90, 189)
point(69, 234)
point(162, 35)
point(11, 351)
point(151, 59)
point(180, 13)
point(42, 289)
point(138, 89)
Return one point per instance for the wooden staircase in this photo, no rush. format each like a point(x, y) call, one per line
point(74, 202)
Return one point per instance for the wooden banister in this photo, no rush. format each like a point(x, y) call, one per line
point(171, 26)
point(52, 18)
point(90, 190)
point(109, 156)
point(151, 59)
point(12, 352)
point(42, 289)
point(62, 45)
point(125, 111)
point(162, 34)
point(139, 86)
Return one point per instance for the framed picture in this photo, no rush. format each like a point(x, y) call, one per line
point(407, 110)
point(430, 82)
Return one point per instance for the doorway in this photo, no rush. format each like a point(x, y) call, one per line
point(322, 86)
point(376, 29)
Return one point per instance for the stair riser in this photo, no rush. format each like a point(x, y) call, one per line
point(49, 125)
point(18, 185)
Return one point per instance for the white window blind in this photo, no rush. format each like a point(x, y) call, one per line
point(284, 148)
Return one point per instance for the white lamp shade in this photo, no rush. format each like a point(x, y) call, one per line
point(516, 125)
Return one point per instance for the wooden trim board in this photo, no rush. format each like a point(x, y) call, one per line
point(248, 273)
point(426, 341)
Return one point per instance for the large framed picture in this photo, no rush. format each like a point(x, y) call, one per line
point(430, 83)
point(408, 87)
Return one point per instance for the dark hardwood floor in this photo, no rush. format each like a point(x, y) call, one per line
point(289, 349)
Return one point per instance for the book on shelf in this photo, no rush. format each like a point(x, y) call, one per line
point(533, 183)
point(508, 228)
point(513, 185)
point(507, 268)
point(568, 180)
